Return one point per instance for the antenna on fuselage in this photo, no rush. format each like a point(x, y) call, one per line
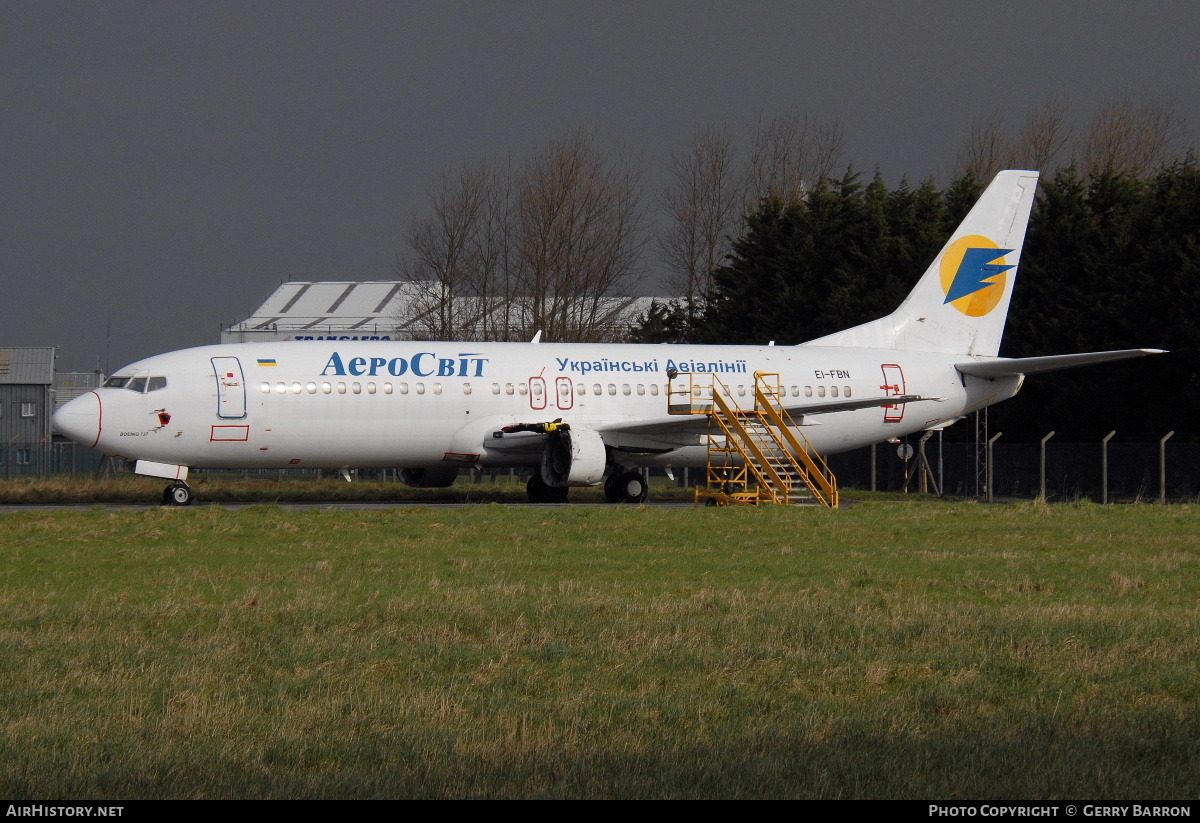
point(537, 338)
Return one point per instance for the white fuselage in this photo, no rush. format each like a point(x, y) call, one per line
point(427, 404)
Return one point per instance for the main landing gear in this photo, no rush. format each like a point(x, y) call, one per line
point(177, 494)
point(539, 492)
point(619, 487)
point(626, 487)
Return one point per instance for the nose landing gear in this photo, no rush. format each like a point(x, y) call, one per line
point(177, 494)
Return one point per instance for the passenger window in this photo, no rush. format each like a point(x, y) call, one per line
point(466, 388)
point(326, 388)
point(266, 388)
point(341, 388)
point(387, 388)
point(581, 389)
point(280, 388)
point(437, 388)
point(156, 383)
point(312, 388)
point(741, 391)
point(420, 387)
point(654, 389)
point(641, 390)
point(537, 389)
point(370, 388)
point(612, 388)
point(296, 388)
point(846, 390)
point(523, 389)
point(820, 391)
point(597, 389)
point(495, 388)
point(795, 391)
point(356, 388)
point(833, 390)
point(404, 388)
point(808, 391)
point(508, 388)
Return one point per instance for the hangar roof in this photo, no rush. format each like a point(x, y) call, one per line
point(27, 366)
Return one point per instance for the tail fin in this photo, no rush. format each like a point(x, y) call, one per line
point(961, 302)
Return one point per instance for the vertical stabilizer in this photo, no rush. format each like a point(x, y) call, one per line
point(961, 302)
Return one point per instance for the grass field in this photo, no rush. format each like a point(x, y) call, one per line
point(888, 650)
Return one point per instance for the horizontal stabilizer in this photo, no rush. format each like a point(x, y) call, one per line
point(1011, 367)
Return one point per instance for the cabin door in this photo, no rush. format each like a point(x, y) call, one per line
point(893, 385)
point(231, 388)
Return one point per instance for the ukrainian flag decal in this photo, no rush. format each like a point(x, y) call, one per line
point(267, 361)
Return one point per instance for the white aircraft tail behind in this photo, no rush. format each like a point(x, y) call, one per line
point(961, 302)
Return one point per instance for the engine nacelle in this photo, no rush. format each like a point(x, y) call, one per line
point(438, 477)
point(574, 458)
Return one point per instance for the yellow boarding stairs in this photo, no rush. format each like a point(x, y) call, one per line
point(755, 455)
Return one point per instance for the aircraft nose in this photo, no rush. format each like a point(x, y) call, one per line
point(80, 419)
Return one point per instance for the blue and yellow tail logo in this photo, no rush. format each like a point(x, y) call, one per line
point(973, 274)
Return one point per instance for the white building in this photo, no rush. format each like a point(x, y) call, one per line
point(385, 310)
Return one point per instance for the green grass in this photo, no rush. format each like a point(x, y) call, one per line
point(227, 487)
point(886, 650)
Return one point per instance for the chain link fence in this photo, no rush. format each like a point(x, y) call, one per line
point(1102, 472)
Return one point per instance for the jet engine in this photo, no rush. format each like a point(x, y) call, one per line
point(573, 457)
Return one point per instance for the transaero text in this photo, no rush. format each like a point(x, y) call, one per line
point(421, 364)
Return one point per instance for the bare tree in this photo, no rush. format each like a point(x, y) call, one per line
point(986, 151)
point(447, 256)
point(792, 154)
point(703, 204)
point(578, 237)
point(1043, 139)
point(1125, 137)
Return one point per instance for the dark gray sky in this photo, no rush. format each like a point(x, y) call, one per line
point(164, 166)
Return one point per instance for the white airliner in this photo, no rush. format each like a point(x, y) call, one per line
point(436, 407)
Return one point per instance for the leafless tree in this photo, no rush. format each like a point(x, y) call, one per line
point(1132, 138)
point(1043, 139)
point(986, 151)
point(447, 257)
point(578, 237)
point(703, 203)
point(791, 154)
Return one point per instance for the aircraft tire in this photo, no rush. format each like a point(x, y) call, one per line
point(177, 494)
point(539, 492)
point(626, 487)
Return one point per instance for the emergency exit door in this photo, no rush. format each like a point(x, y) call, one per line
point(231, 388)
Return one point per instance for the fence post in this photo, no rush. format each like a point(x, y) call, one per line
point(1162, 468)
point(1104, 467)
point(990, 475)
point(1042, 469)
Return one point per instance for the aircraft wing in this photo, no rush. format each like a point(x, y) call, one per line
point(1011, 367)
point(698, 423)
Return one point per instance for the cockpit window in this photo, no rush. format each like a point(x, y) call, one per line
point(157, 383)
point(116, 382)
point(137, 384)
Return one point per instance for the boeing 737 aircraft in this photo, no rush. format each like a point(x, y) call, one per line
point(434, 408)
